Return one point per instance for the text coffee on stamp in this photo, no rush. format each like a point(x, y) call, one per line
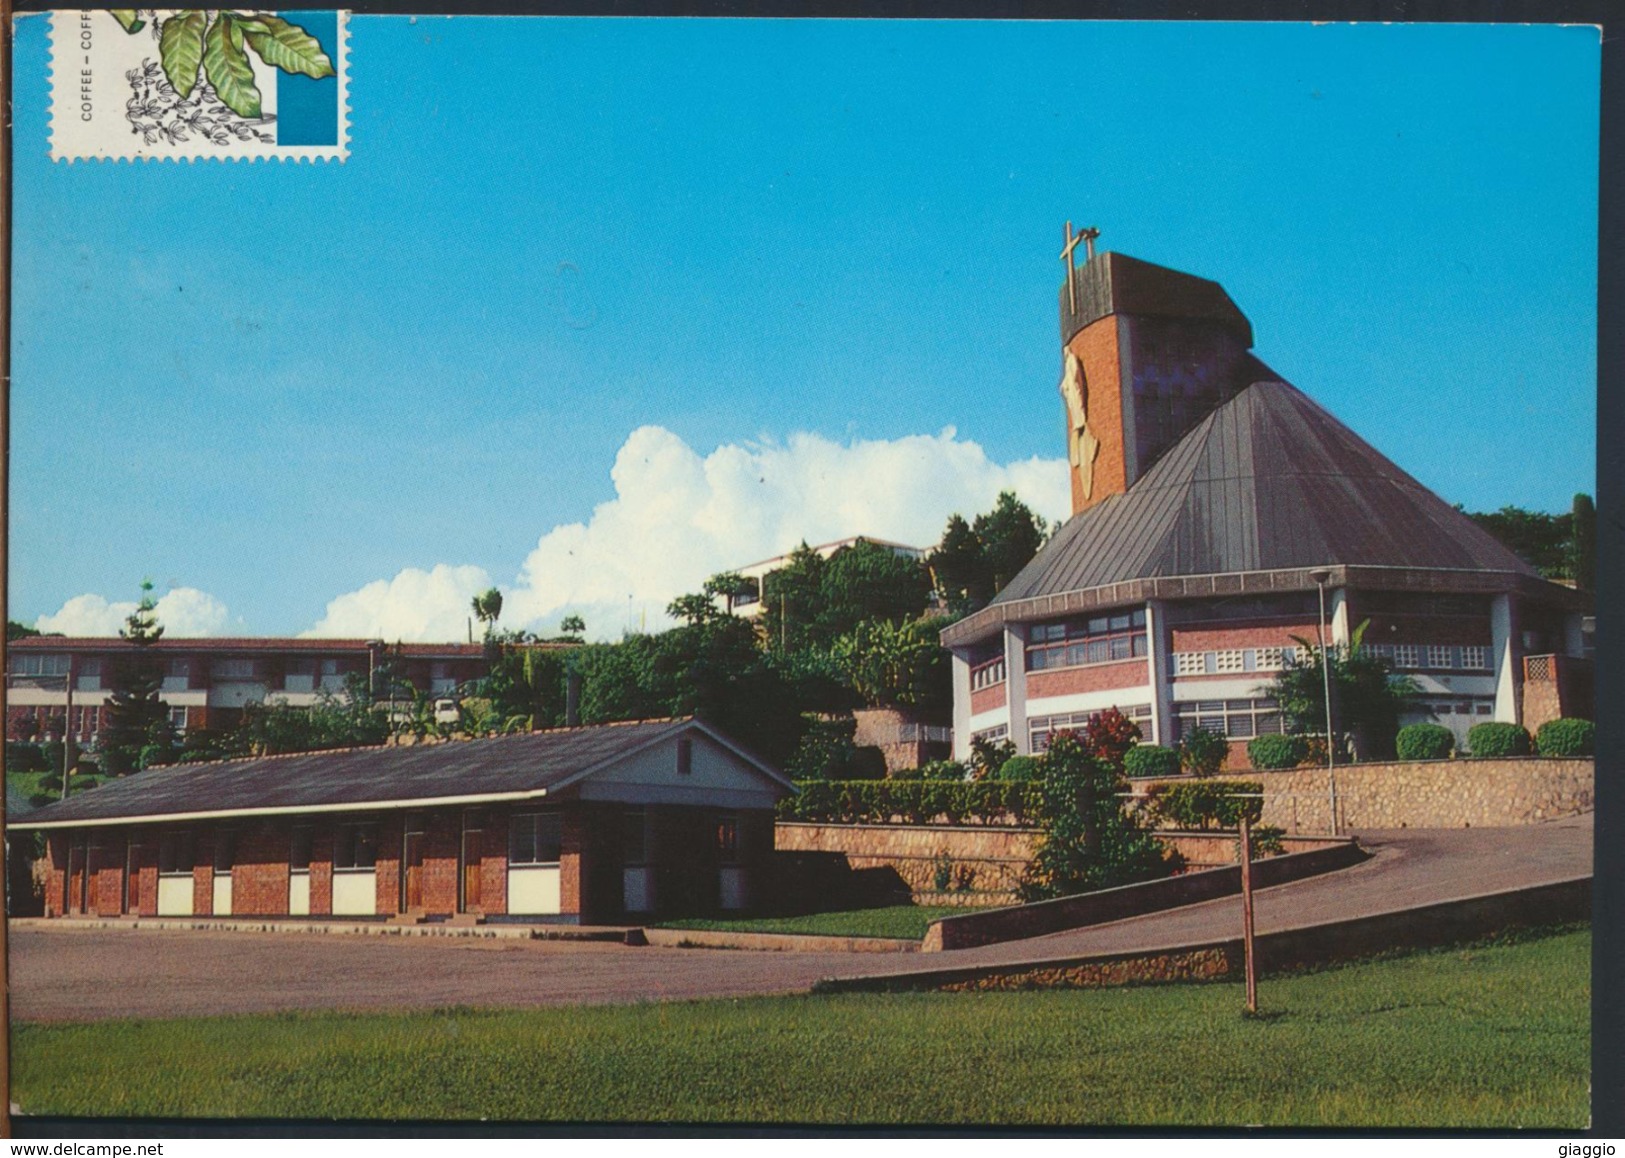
point(186, 84)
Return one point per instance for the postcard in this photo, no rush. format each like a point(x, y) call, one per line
point(803, 572)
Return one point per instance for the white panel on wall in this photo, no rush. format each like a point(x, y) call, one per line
point(299, 893)
point(175, 896)
point(355, 893)
point(222, 894)
point(533, 891)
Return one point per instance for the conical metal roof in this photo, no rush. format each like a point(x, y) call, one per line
point(1268, 481)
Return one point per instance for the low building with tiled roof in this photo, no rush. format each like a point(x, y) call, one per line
point(589, 825)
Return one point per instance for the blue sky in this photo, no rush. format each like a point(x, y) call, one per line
point(801, 249)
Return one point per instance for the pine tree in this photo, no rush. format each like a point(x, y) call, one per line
point(138, 729)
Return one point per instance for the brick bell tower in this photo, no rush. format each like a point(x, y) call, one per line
point(1146, 353)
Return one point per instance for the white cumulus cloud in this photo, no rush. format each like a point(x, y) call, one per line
point(679, 517)
point(183, 611)
point(414, 606)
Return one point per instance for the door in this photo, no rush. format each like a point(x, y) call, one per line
point(473, 827)
point(412, 866)
point(78, 884)
point(132, 876)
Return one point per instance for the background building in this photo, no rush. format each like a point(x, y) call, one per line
point(1214, 505)
point(749, 603)
point(207, 681)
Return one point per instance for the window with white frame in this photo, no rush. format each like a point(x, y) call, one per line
point(1441, 657)
point(89, 676)
point(176, 853)
point(232, 669)
point(40, 665)
point(991, 735)
point(988, 674)
point(1407, 655)
point(535, 838)
point(1234, 719)
point(1097, 639)
point(177, 719)
point(1041, 728)
point(1475, 658)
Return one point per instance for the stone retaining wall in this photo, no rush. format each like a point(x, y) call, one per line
point(1425, 794)
point(987, 862)
point(991, 859)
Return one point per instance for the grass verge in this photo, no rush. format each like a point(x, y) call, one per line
point(908, 922)
point(1493, 1036)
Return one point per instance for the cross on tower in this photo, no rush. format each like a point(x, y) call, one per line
point(1087, 236)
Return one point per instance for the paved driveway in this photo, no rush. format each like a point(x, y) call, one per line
point(68, 974)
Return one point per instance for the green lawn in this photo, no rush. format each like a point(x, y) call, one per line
point(905, 921)
point(1496, 1036)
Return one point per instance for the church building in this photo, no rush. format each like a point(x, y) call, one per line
point(1216, 510)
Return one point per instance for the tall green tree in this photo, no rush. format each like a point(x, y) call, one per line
point(975, 561)
point(1583, 543)
point(793, 600)
point(898, 665)
point(138, 729)
point(1542, 540)
point(15, 630)
point(487, 607)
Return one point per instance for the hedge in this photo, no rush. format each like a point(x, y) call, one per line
point(911, 802)
point(1566, 737)
point(1203, 752)
point(1497, 740)
point(1425, 742)
point(1148, 760)
point(1276, 751)
point(1204, 804)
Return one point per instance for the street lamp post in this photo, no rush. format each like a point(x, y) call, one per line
point(1321, 578)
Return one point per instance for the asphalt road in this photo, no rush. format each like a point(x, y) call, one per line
point(61, 974)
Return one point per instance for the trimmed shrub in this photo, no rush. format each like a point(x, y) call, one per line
point(1207, 804)
point(1022, 769)
point(1203, 753)
point(1425, 742)
point(1268, 753)
point(911, 802)
point(1566, 737)
point(1147, 760)
point(944, 770)
point(1497, 740)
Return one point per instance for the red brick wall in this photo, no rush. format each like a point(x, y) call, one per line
point(439, 872)
point(987, 699)
point(321, 870)
point(1234, 635)
point(106, 896)
point(1461, 630)
point(1096, 347)
point(1129, 673)
point(56, 877)
point(146, 860)
point(259, 877)
point(387, 881)
point(571, 857)
point(494, 864)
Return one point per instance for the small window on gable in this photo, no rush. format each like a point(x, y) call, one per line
point(685, 755)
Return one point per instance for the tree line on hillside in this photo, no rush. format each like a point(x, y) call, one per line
point(857, 628)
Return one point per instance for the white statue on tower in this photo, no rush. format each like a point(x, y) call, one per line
point(1082, 446)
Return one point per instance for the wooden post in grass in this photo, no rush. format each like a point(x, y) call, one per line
point(1248, 959)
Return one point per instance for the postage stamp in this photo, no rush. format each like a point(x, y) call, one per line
point(142, 84)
